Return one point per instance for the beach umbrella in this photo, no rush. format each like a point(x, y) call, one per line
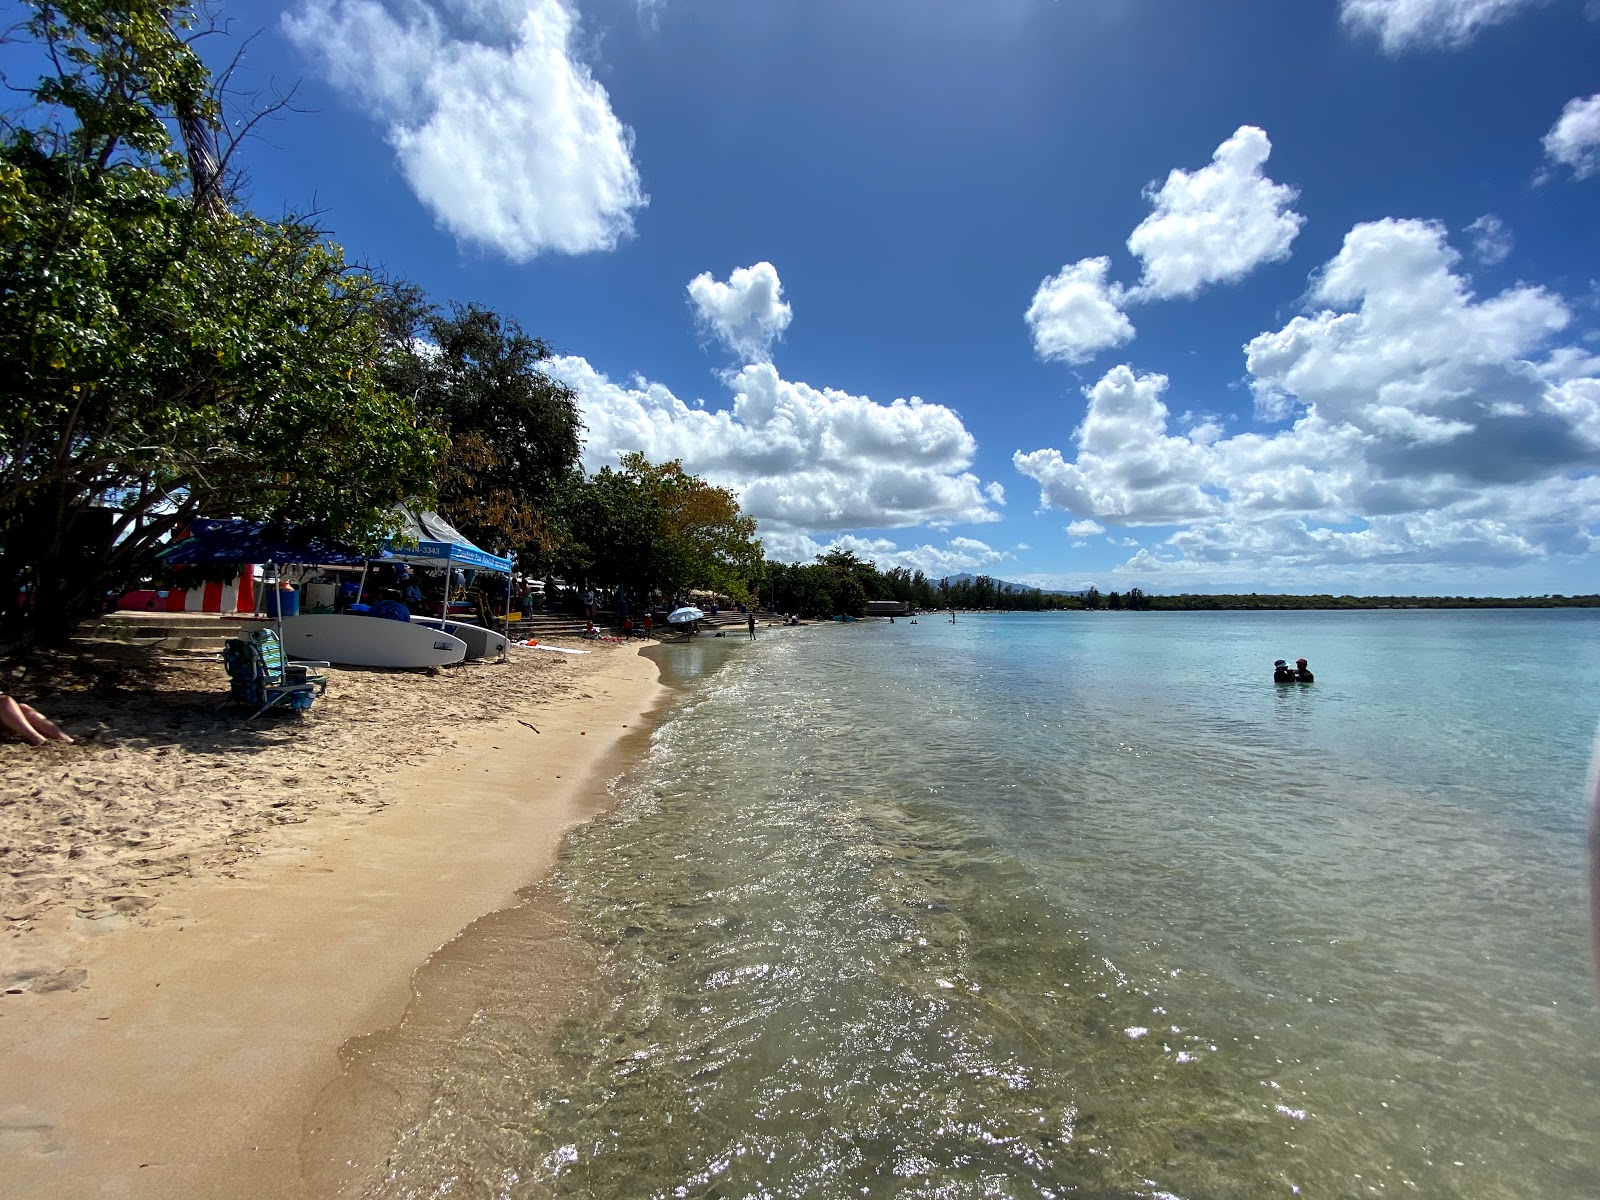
point(682, 616)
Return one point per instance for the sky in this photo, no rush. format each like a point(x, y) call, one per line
point(1256, 296)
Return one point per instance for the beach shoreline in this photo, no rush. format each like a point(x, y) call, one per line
point(195, 1043)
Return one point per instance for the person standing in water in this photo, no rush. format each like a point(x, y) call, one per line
point(750, 623)
point(1282, 672)
point(1302, 672)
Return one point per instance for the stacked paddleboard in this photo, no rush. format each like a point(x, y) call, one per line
point(357, 641)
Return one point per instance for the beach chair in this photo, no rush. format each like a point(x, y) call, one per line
point(282, 670)
point(259, 677)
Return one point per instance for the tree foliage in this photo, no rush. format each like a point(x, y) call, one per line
point(165, 360)
point(837, 584)
point(515, 433)
point(655, 527)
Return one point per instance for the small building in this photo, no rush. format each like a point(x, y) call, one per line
point(888, 608)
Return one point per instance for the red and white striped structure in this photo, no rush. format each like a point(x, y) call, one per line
point(236, 596)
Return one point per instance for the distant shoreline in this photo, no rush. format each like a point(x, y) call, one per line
point(1253, 602)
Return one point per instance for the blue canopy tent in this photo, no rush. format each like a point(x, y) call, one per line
point(437, 544)
point(440, 544)
point(219, 543)
point(212, 542)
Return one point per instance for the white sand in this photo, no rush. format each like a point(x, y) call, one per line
point(171, 1038)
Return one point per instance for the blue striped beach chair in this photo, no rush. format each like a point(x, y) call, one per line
point(259, 676)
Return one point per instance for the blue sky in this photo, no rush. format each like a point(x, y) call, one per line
point(1252, 296)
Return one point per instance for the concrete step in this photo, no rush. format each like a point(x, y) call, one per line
point(178, 630)
point(198, 649)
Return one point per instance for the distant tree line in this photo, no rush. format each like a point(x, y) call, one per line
point(840, 584)
point(1188, 601)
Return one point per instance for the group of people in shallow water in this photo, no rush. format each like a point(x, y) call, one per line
point(1282, 672)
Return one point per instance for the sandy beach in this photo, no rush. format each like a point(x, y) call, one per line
point(214, 930)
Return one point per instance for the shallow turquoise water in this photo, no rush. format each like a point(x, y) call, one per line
point(1037, 905)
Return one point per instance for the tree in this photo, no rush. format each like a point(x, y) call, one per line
point(166, 360)
point(657, 527)
point(514, 432)
point(1091, 597)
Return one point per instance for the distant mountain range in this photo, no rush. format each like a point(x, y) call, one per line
point(1002, 584)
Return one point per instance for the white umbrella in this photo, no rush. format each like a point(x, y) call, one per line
point(682, 616)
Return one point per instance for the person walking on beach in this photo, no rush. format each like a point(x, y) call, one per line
point(750, 623)
point(1302, 672)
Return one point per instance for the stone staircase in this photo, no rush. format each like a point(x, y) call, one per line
point(195, 634)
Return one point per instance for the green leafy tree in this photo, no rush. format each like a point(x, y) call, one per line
point(656, 527)
point(165, 359)
point(515, 433)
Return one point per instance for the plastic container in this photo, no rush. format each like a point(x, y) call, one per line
point(281, 603)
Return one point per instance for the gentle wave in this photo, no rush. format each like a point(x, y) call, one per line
point(1082, 906)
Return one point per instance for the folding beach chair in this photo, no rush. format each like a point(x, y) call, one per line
point(286, 671)
point(259, 677)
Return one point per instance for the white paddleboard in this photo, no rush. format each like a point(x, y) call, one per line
point(481, 642)
point(357, 641)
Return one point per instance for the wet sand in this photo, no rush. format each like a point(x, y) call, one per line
point(174, 1020)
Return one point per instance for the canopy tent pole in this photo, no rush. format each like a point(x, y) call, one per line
point(444, 605)
point(277, 604)
point(361, 587)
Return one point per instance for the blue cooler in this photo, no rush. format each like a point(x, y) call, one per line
point(282, 604)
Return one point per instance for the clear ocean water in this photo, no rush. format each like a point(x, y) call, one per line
point(1084, 905)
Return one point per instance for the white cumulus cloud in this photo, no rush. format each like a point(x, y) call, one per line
point(502, 133)
point(747, 313)
point(959, 554)
point(1217, 224)
point(1574, 140)
point(1075, 313)
point(1401, 25)
point(1085, 528)
point(1127, 468)
point(1213, 225)
point(1491, 240)
point(1427, 425)
point(801, 458)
